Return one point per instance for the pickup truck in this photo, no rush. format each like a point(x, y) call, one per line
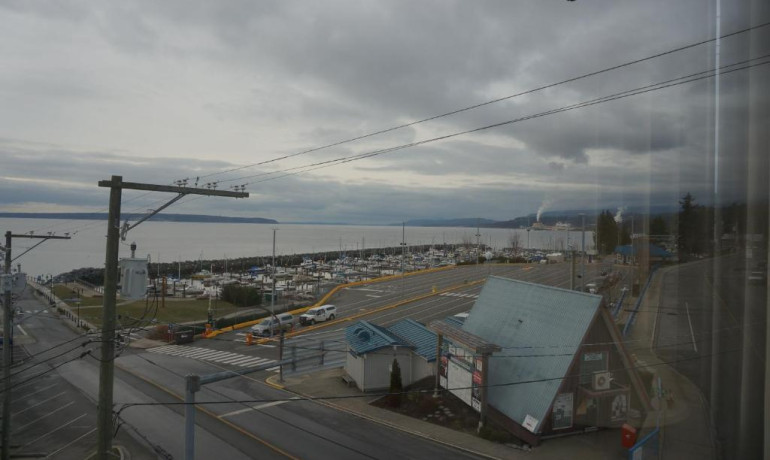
point(318, 314)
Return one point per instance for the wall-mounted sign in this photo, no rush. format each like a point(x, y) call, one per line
point(530, 423)
point(561, 416)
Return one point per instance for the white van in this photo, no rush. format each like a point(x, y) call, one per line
point(318, 314)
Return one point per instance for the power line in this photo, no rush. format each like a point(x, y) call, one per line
point(18, 384)
point(369, 395)
point(493, 101)
point(621, 95)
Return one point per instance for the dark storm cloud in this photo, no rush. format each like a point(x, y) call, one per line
point(315, 73)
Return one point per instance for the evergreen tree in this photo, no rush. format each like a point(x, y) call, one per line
point(606, 235)
point(658, 226)
point(692, 236)
point(395, 383)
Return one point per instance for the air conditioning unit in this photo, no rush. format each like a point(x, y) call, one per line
point(601, 381)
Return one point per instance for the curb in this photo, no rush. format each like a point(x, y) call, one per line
point(383, 422)
point(329, 295)
point(367, 313)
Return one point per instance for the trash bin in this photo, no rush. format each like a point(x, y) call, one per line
point(183, 337)
point(628, 435)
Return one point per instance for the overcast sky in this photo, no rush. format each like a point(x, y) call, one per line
point(159, 91)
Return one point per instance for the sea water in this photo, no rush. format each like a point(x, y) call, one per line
point(182, 241)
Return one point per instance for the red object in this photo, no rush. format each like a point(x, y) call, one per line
point(628, 436)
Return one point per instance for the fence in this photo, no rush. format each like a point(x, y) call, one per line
point(635, 310)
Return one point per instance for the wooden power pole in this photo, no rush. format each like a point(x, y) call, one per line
point(107, 368)
point(7, 333)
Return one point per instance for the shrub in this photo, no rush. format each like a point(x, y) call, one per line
point(395, 384)
point(159, 332)
point(241, 296)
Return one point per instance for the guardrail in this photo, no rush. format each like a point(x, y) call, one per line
point(632, 316)
point(58, 304)
point(619, 304)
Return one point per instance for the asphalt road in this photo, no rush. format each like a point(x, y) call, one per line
point(51, 417)
point(711, 325)
point(55, 412)
point(242, 417)
point(307, 429)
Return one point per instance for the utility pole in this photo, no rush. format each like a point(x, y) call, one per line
point(7, 332)
point(272, 293)
point(403, 246)
point(583, 256)
point(106, 370)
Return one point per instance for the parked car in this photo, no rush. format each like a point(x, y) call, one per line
point(318, 314)
point(270, 326)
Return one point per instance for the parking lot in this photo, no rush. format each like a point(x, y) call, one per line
point(51, 418)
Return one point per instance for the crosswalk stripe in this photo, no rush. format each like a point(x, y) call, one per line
point(254, 362)
point(205, 354)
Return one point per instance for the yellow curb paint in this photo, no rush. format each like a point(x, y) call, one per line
point(328, 296)
point(377, 310)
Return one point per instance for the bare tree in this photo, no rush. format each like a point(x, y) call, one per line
point(514, 240)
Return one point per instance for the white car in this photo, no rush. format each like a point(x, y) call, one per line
point(318, 314)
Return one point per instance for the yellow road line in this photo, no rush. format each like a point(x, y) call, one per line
point(209, 413)
point(329, 295)
point(376, 310)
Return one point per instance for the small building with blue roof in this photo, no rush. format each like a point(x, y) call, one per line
point(372, 349)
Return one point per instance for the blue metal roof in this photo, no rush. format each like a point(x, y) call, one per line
point(364, 337)
point(423, 339)
point(455, 321)
point(529, 319)
point(655, 251)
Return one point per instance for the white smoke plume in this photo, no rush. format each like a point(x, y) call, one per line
point(619, 215)
point(543, 207)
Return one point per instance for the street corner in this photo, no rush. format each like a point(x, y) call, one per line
point(274, 381)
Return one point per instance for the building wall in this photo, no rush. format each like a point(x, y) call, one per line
point(376, 372)
point(597, 340)
point(421, 369)
point(354, 366)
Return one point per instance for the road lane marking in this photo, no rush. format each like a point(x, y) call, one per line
point(71, 443)
point(36, 392)
point(19, 428)
point(22, 330)
point(210, 413)
point(41, 402)
point(692, 334)
point(52, 431)
point(261, 406)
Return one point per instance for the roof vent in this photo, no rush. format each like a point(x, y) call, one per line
point(363, 334)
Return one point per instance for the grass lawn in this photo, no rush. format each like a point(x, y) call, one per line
point(64, 293)
point(175, 311)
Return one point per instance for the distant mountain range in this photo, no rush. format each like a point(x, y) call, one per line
point(461, 222)
point(133, 217)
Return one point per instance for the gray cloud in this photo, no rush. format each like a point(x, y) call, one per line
point(162, 90)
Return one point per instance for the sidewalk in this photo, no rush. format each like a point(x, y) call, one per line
point(684, 415)
point(603, 444)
